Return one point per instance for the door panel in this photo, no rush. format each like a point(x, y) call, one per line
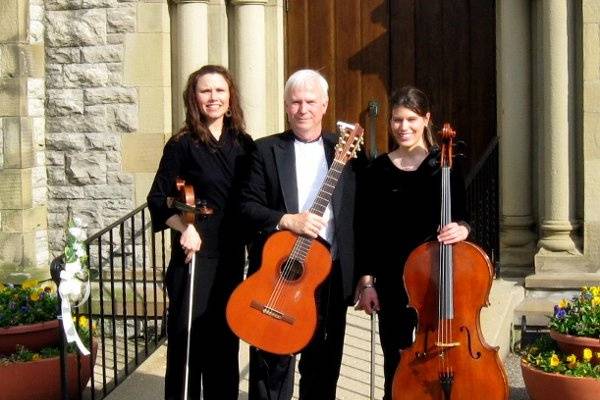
point(365, 48)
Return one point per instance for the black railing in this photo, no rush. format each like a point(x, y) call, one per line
point(127, 305)
point(483, 202)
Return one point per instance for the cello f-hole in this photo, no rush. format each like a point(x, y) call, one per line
point(477, 355)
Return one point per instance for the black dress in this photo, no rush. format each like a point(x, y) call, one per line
point(397, 211)
point(215, 174)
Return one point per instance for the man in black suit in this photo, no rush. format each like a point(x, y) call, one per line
point(287, 171)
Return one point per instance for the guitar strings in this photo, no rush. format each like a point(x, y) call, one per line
point(302, 244)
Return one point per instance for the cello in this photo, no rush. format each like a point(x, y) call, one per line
point(448, 285)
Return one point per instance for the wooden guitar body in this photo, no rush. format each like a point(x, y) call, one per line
point(274, 309)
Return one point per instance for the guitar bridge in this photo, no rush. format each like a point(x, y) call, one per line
point(271, 312)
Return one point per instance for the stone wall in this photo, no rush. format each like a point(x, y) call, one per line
point(23, 235)
point(94, 110)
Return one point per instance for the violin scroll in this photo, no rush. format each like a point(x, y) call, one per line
point(186, 203)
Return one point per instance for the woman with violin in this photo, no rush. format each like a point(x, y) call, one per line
point(402, 190)
point(210, 154)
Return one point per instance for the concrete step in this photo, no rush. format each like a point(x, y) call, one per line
point(497, 319)
point(562, 281)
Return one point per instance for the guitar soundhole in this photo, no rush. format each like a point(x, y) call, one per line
point(291, 270)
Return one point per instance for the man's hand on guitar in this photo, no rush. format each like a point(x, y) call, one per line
point(305, 224)
point(190, 242)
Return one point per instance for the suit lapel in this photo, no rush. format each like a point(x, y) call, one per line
point(286, 171)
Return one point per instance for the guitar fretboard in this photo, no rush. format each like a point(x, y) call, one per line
point(302, 246)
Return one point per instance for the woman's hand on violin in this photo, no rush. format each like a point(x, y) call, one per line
point(190, 242)
point(453, 233)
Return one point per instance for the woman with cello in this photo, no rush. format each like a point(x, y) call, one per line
point(209, 153)
point(402, 190)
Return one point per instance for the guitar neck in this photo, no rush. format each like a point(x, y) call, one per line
point(326, 191)
point(302, 246)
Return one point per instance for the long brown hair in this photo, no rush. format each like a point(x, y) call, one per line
point(415, 100)
point(195, 121)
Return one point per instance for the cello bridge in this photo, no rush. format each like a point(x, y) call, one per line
point(271, 312)
point(447, 345)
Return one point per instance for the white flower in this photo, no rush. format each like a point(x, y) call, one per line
point(77, 233)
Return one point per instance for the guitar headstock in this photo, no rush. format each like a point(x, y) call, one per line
point(351, 138)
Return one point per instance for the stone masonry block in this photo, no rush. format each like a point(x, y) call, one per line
point(142, 152)
point(124, 192)
point(18, 142)
point(152, 17)
point(53, 5)
point(86, 168)
point(122, 117)
point(76, 124)
point(102, 54)
point(9, 60)
point(591, 52)
point(103, 141)
point(99, 3)
point(154, 117)
point(121, 20)
point(143, 181)
point(591, 136)
point(11, 248)
point(85, 75)
point(62, 141)
point(11, 95)
point(13, 14)
point(147, 59)
point(64, 102)
point(15, 191)
point(26, 220)
point(592, 191)
point(76, 28)
point(591, 97)
point(110, 95)
point(591, 11)
point(63, 55)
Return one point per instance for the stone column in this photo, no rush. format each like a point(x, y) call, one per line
point(23, 212)
point(514, 130)
point(189, 41)
point(558, 205)
point(249, 61)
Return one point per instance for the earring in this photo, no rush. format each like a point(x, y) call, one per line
point(228, 113)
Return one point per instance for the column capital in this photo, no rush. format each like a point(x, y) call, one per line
point(248, 2)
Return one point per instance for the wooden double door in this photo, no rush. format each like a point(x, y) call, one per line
point(366, 48)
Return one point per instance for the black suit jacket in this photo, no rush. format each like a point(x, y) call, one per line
point(271, 191)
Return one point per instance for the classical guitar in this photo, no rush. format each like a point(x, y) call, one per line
point(274, 309)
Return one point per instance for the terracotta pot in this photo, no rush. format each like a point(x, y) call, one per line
point(544, 386)
point(575, 344)
point(40, 379)
point(32, 336)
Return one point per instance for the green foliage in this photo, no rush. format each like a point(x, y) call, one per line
point(580, 316)
point(27, 304)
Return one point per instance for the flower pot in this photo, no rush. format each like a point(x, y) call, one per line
point(32, 336)
point(40, 379)
point(545, 386)
point(570, 344)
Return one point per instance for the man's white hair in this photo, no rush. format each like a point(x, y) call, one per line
point(301, 77)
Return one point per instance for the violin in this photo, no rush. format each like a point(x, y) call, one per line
point(448, 285)
point(186, 203)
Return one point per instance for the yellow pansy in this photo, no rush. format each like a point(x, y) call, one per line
point(595, 291)
point(35, 357)
point(587, 354)
point(554, 360)
point(598, 355)
point(572, 361)
point(563, 303)
point(596, 301)
point(29, 283)
point(35, 296)
point(1, 286)
point(83, 321)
